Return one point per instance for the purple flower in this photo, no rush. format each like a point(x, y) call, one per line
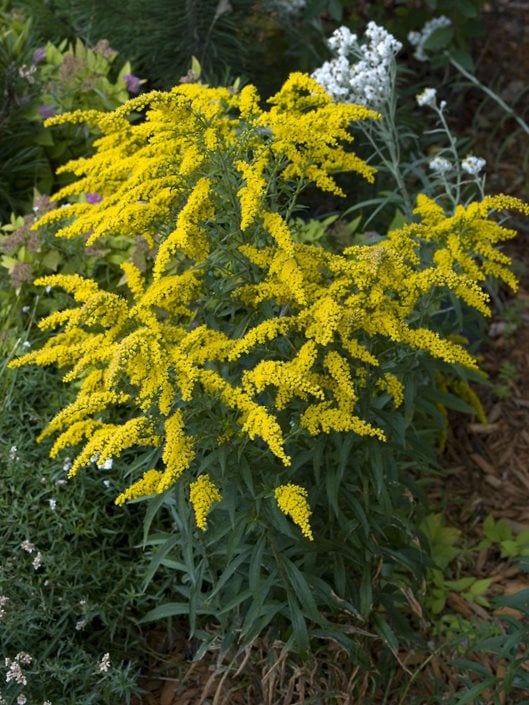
point(38, 55)
point(47, 111)
point(133, 83)
point(93, 198)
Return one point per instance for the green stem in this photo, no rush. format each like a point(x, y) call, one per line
point(495, 97)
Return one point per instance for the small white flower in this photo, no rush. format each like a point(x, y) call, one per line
point(473, 165)
point(26, 309)
point(3, 602)
point(440, 165)
point(104, 664)
point(38, 561)
point(21, 699)
point(26, 344)
point(106, 483)
point(81, 624)
point(60, 482)
point(13, 453)
point(14, 671)
point(442, 105)
point(53, 504)
point(27, 546)
point(427, 97)
point(67, 464)
point(47, 289)
point(107, 465)
point(94, 458)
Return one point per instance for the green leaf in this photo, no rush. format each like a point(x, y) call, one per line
point(196, 68)
point(518, 601)
point(480, 587)
point(464, 58)
point(387, 634)
point(335, 10)
point(44, 138)
point(468, 8)
point(314, 8)
point(523, 538)
point(439, 39)
point(509, 548)
point(489, 527)
point(153, 507)
point(461, 584)
point(302, 590)
point(472, 693)
point(231, 568)
point(255, 624)
point(169, 609)
point(300, 634)
point(365, 593)
point(451, 401)
point(51, 260)
point(398, 221)
point(254, 570)
point(157, 559)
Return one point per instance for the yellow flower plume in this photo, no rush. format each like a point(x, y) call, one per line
point(203, 495)
point(292, 500)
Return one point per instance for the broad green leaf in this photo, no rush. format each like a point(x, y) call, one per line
point(439, 39)
point(169, 609)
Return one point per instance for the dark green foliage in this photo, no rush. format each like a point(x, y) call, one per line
point(161, 37)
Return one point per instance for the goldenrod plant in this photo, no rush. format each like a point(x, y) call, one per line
point(277, 385)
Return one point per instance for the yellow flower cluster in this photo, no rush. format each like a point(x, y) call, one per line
point(231, 310)
point(292, 500)
point(203, 494)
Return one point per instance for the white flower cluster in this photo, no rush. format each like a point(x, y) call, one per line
point(104, 665)
point(105, 465)
point(3, 602)
point(470, 165)
point(419, 39)
point(38, 561)
point(14, 670)
point(473, 165)
point(427, 97)
point(440, 165)
point(81, 624)
point(360, 73)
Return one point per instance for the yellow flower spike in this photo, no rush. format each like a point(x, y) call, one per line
point(203, 495)
point(292, 500)
point(251, 194)
point(143, 487)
